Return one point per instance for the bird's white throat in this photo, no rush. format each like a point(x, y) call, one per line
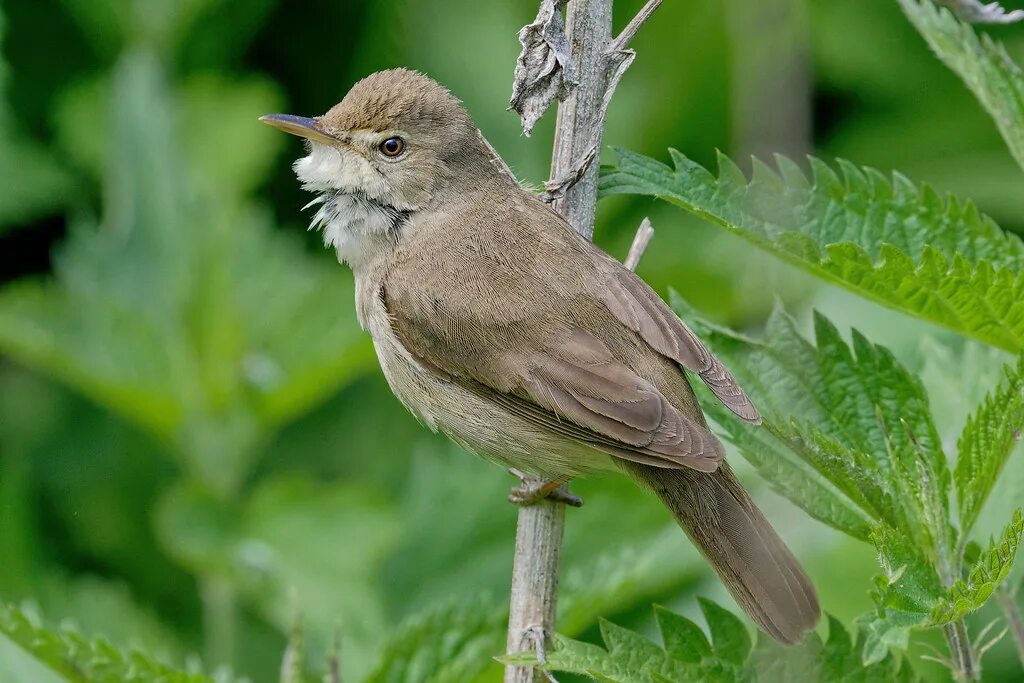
point(358, 213)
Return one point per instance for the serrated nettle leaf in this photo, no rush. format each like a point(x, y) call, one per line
point(75, 658)
point(888, 240)
point(989, 437)
point(910, 582)
point(845, 664)
point(856, 474)
point(687, 655)
point(983, 65)
point(629, 657)
point(851, 413)
point(887, 631)
point(776, 454)
point(730, 640)
point(984, 577)
point(683, 639)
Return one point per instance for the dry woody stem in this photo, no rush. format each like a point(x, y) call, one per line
point(594, 65)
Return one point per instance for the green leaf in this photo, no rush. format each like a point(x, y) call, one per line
point(885, 239)
point(687, 656)
point(910, 583)
point(629, 657)
point(729, 638)
point(80, 660)
point(982, 63)
point(904, 596)
point(781, 376)
point(841, 660)
point(186, 313)
point(886, 632)
point(289, 547)
point(984, 577)
point(684, 640)
point(989, 437)
point(851, 425)
point(95, 606)
point(453, 644)
point(859, 425)
point(216, 115)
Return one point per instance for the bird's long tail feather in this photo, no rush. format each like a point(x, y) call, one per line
point(731, 532)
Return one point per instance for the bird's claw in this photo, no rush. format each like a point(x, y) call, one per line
point(532, 491)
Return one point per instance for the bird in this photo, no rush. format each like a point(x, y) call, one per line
point(497, 324)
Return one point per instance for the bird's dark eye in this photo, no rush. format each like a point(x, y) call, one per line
point(392, 147)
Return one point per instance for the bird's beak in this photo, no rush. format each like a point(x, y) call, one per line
point(299, 125)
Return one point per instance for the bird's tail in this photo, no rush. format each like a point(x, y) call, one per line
point(731, 532)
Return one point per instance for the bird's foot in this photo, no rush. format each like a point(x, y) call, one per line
point(532, 491)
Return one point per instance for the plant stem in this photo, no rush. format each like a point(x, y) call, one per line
point(588, 25)
point(1009, 604)
point(218, 597)
point(540, 527)
point(961, 651)
point(534, 582)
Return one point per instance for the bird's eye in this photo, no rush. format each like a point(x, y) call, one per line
point(392, 147)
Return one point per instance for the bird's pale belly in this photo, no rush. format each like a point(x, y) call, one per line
point(476, 423)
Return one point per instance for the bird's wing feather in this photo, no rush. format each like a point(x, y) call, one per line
point(639, 308)
point(567, 382)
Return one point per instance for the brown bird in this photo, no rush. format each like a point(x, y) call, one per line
point(498, 325)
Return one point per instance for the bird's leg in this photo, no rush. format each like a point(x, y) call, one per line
point(532, 491)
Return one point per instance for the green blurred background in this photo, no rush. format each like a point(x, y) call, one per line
point(196, 443)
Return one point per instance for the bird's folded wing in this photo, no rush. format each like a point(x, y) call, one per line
point(639, 308)
point(568, 383)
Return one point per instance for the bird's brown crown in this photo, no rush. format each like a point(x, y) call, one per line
point(396, 99)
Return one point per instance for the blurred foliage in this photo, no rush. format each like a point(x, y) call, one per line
point(195, 445)
point(71, 656)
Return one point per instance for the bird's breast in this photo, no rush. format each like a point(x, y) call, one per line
point(357, 228)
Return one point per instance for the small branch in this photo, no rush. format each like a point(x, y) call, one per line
point(578, 129)
point(1009, 604)
point(534, 583)
point(623, 40)
point(578, 134)
point(617, 59)
point(640, 241)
